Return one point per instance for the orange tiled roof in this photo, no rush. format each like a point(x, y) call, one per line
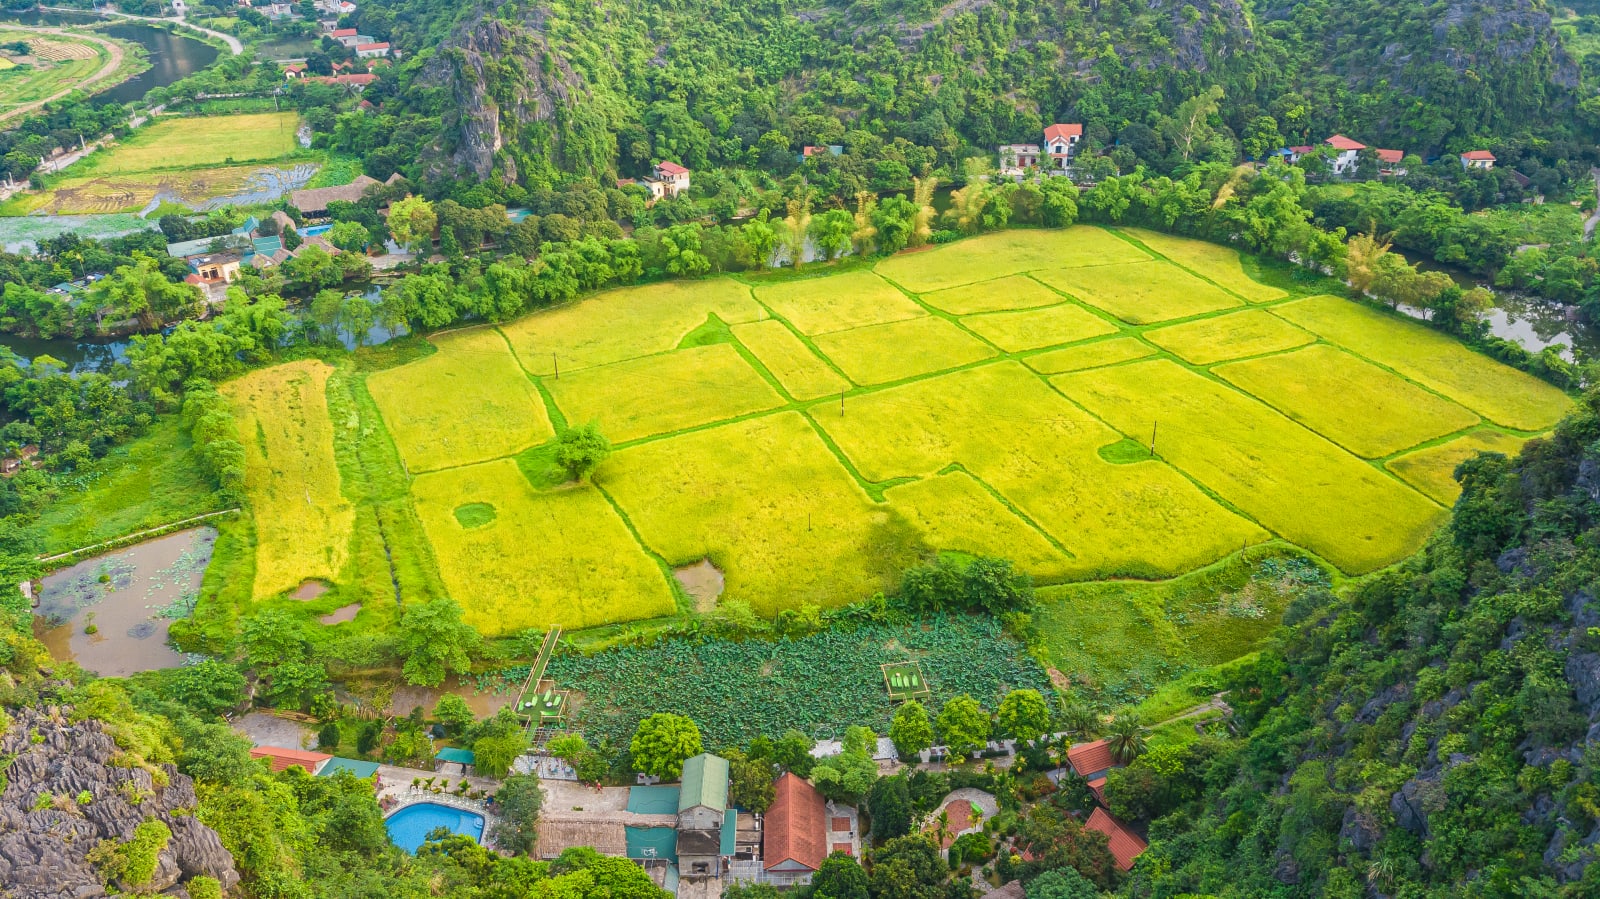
point(282, 758)
point(1091, 758)
point(1125, 844)
point(793, 829)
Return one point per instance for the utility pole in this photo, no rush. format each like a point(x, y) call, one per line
point(557, 363)
point(1153, 426)
point(841, 404)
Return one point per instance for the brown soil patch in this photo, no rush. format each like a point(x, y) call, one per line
point(310, 590)
point(703, 582)
point(341, 614)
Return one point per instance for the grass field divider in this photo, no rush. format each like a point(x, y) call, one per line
point(873, 489)
point(1202, 487)
point(1175, 263)
point(679, 597)
point(1220, 381)
point(1004, 500)
point(71, 556)
point(950, 317)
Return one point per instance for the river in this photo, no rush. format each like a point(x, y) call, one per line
point(172, 57)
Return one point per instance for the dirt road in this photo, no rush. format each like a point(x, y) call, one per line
point(106, 71)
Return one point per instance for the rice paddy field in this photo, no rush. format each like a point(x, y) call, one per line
point(303, 523)
point(54, 62)
point(811, 434)
point(201, 141)
point(187, 160)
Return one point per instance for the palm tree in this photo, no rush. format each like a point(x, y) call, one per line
point(1126, 739)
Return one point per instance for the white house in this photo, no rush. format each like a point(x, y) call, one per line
point(1346, 149)
point(373, 50)
point(1016, 159)
point(667, 179)
point(1477, 159)
point(1061, 143)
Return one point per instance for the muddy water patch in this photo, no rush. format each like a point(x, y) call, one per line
point(703, 582)
point(341, 614)
point(111, 613)
point(310, 590)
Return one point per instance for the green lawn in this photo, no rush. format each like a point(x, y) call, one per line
point(147, 482)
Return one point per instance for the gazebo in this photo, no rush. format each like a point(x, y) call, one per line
point(450, 755)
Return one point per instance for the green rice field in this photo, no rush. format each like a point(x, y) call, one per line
point(1090, 404)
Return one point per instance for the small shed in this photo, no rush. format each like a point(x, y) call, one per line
point(451, 755)
point(282, 758)
point(356, 767)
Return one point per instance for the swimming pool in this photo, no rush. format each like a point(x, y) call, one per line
point(314, 230)
point(409, 827)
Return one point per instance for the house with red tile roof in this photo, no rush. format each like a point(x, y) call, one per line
point(1125, 845)
point(794, 838)
point(1477, 159)
point(1346, 150)
point(372, 50)
point(1091, 761)
point(1061, 143)
point(1389, 162)
point(667, 179)
point(281, 758)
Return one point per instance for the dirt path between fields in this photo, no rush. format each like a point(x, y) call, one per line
point(106, 71)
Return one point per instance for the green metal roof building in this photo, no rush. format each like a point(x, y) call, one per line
point(705, 784)
point(703, 816)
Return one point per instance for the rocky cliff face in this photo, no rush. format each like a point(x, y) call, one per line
point(507, 86)
point(65, 792)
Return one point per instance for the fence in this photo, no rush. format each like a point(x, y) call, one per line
point(416, 795)
point(751, 872)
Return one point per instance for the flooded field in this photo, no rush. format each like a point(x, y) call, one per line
point(111, 613)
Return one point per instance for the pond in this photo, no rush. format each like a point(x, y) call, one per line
point(172, 57)
point(79, 355)
point(409, 827)
point(128, 599)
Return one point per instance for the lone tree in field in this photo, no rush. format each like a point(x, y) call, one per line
point(662, 742)
point(581, 450)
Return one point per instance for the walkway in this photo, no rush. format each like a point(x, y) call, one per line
point(232, 42)
point(1214, 705)
point(106, 71)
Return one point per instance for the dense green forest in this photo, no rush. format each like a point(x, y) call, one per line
point(1432, 733)
point(530, 91)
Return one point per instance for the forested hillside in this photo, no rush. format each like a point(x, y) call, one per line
point(1434, 733)
point(526, 90)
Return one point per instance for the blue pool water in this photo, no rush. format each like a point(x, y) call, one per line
point(409, 827)
point(314, 230)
